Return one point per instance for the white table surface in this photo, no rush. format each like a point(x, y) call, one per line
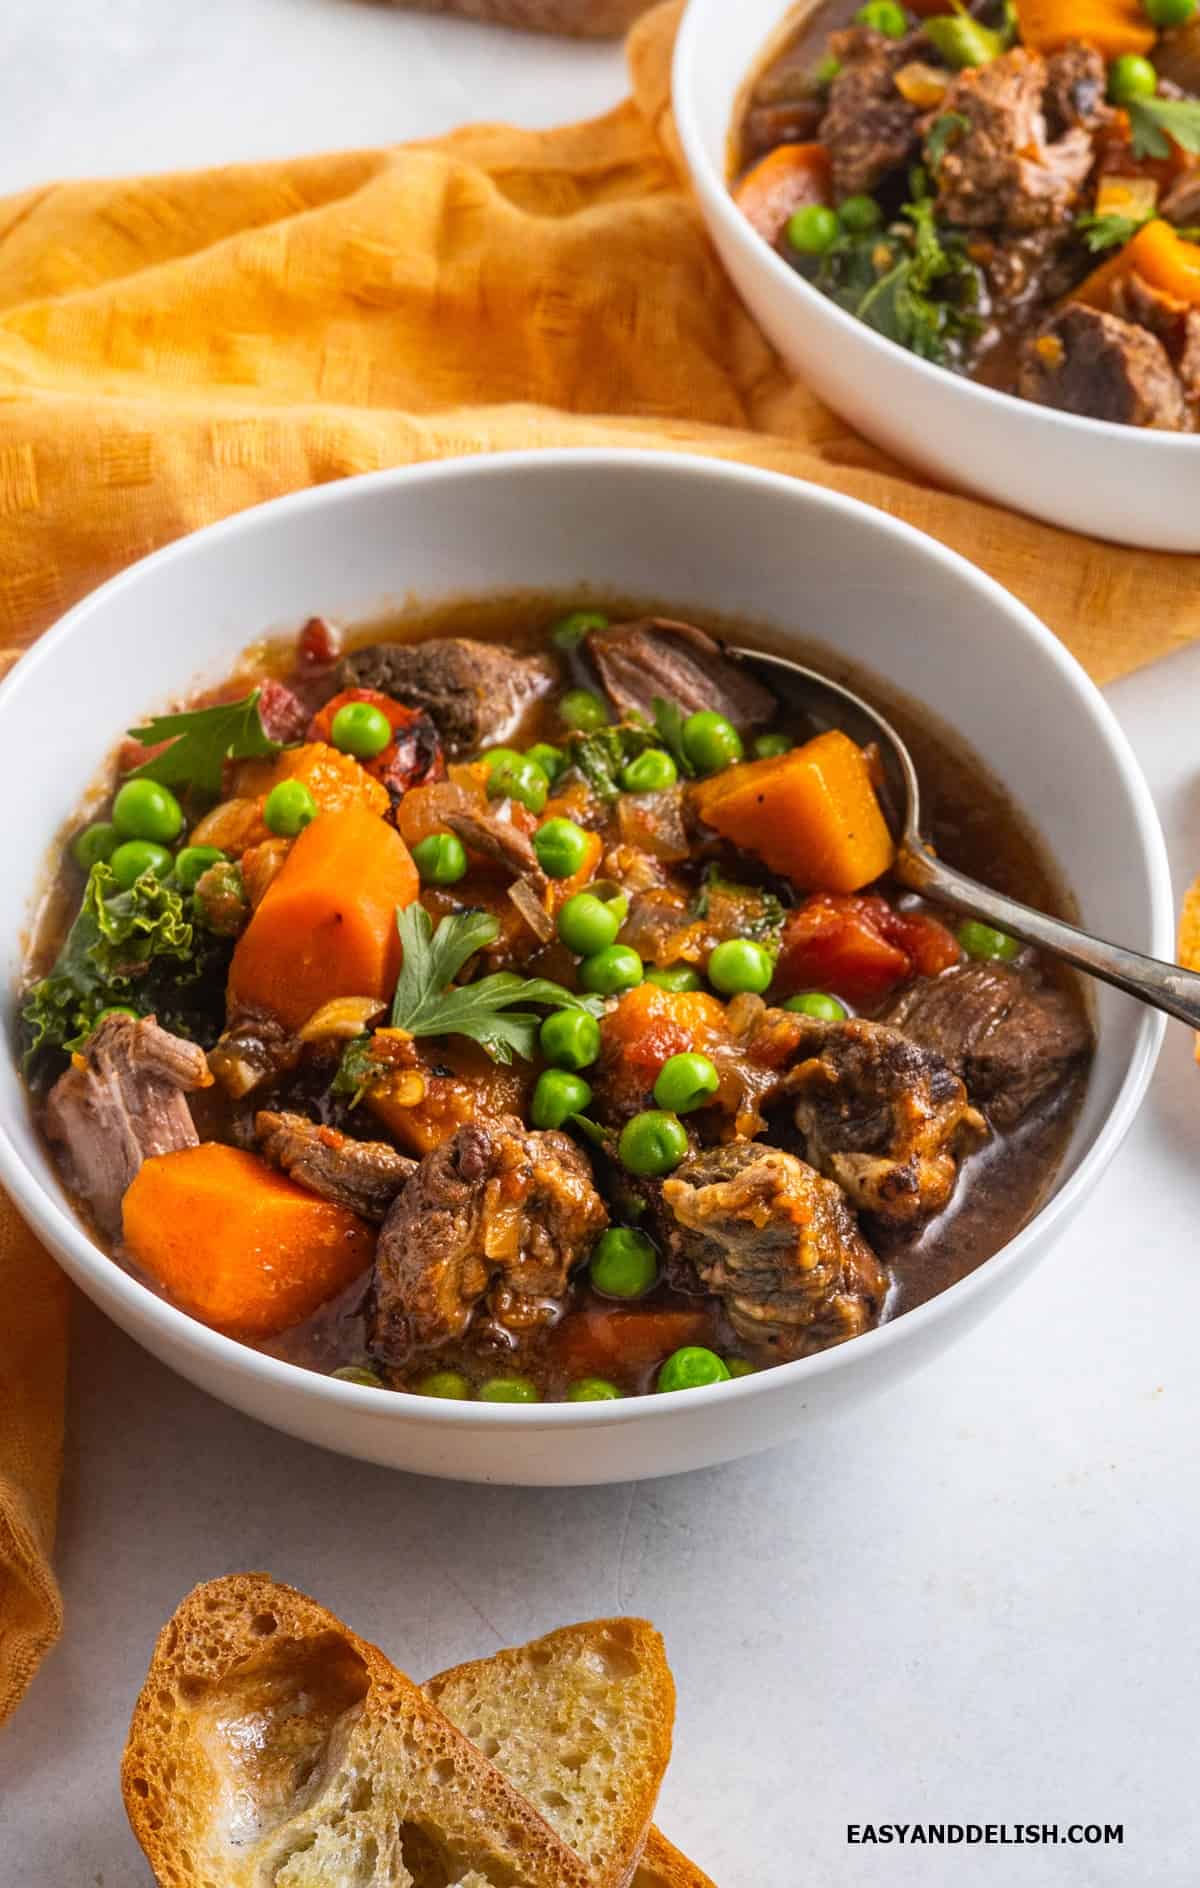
point(975, 1603)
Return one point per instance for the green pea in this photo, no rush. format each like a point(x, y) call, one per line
point(136, 856)
point(561, 847)
point(1131, 77)
point(570, 1039)
point(521, 779)
point(883, 16)
point(557, 1096)
point(738, 965)
point(685, 1082)
point(624, 1263)
point(289, 808)
point(651, 772)
point(95, 845)
point(145, 810)
point(652, 1143)
point(608, 972)
point(496, 757)
point(570, 630)
point(550, 759)
point(859, 215)
point(586, 924)
point(450, 1385)
point(593, 1390)
point(509, 1390)
point(358, 1373)
point(711, 742)
point(1167, 13)
point(691, 1369)
point(114, 1009)
point(817, 1003)
point(770, 746)
point(361, 729)
point(740, 1367)
point(193, 862)
point(826, 70)
point(441, 859)
point(813, 230)
point(675, 977)
point(579, 708)
point(984, 943)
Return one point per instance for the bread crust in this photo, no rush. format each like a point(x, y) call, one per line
point(271, 1747)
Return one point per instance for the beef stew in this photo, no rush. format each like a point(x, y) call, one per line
point(513, 1007)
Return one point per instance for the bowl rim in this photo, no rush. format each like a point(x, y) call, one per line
point(699, 18)
point(52, 1220)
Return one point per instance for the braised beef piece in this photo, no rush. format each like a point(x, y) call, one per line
point(869, 129)
point(1012, 1039)
point(778, 1245)
point(497, 840)
point(413, 758)
point(1094, 364)
point(1076, 83)
point(122, 1100)
point(475, 692)
point(786, 121)
point(283, 715)
point(1177, 58)
point(655, 658)
point(253, 1048)
point(1176, 324)
point(1002, 173)
point(366, 1176)
point(1025, 272)
point(498, 1216)
point(1181, 205)
point(883, 1116)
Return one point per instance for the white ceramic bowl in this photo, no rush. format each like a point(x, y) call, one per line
point(1119, 482)
point(695, 534)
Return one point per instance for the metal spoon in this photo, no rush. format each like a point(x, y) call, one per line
point(828, 704)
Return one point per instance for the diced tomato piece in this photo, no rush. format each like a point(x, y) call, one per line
point(318, 645)
point(597, 1342)
point(838, 943)
point(931, 947)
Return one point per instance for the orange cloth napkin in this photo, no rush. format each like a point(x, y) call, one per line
point(175, 348)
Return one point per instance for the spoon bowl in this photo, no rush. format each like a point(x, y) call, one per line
point(829, 704)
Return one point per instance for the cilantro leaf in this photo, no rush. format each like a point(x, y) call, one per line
point(1156, 122)
point(427, 1003)
point(202, 740)
point(913, 283)
point(1110, 231)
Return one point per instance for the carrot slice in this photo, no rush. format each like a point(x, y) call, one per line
point(788, 178)
point(597, 1342)
point(326, 926)
point(1163, 258)
point(235, 1243)
point(810, 814)
point(1113, 27)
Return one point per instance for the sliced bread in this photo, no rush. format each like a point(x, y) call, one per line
point(271, 1747)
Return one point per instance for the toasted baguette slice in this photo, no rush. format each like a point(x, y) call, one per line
point(579, 1722)
point(662, 1866)
point(273, 1748)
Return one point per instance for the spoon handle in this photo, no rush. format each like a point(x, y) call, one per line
point(1163, 986)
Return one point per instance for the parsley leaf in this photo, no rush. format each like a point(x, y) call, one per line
point(942, 134)
point(913, 283)
point(428, 1004)
point(1156, 122)
point(1110, 231)
point(356, 1070)
point(202, 740)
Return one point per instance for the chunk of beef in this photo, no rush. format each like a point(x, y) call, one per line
point(782, 121)
point(884, 1117)
point(1177, 57)
point(1181, 205)
point(869, 128)
point(1096, 365)
point(122, 1100)
point(1002, 172)
point(497, 1215)
point(366, 1176)
point(779, 1245)
point(498, 841)
point(1012, 1039)
point(1176, 324)
point(474, 692)
point(283, 715)
point(656, 658)
point(254, 1048)
point(1025, 272)
point(1076, 83)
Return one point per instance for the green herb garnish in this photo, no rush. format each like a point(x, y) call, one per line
point(913, 283)
point(1157, 122)
point(202, 740)
point(428, 1003)
point(942, 134)
point(1110, 231)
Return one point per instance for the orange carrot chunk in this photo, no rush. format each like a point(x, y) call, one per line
point(810, 814)
point(326, 926)
point(236, 1244)
point(1113, 27)
point(1164, 259)
point(791, 176)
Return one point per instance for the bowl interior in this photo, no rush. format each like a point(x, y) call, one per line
point(770, 551)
